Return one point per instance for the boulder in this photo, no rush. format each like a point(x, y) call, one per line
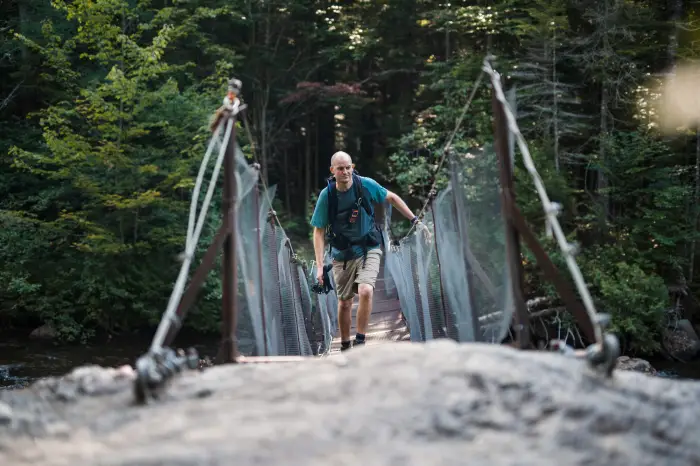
point(438, 403)
point(680, 345)
point(45, 332)
point(626, 363)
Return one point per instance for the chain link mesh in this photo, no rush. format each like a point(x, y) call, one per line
point(276, 315)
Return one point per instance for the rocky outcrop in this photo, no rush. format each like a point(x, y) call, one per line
point(45, 332)
point(626, 363)
point(439, 403)
point(681, 341)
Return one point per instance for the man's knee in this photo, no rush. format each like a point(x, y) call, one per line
point(365, 290)
point(345, 304)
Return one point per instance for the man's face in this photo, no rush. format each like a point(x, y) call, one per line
point(342, 169)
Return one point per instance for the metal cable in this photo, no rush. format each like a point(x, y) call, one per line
point(191, 242)
point(446, 150)
point(198, 185)
point(550, 209)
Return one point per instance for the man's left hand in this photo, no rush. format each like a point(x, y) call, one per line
point(422, 228)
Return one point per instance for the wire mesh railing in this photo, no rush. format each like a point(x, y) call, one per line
point(279, 314)
point(455, 283)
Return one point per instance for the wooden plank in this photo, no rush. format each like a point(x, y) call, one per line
point(385, 323)
point(380, 323)
point(379, 300)
point(383, 317)
point(388, 306)
point(379, 338)
point(384, 308)
point(266, 359)
point(384, 334)
point(381, 310)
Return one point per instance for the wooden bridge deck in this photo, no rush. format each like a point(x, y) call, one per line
point(385, 323)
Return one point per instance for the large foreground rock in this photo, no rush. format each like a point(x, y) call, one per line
point(404, 404)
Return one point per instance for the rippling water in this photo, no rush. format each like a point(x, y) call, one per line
point(23, 361)
point(677, 370)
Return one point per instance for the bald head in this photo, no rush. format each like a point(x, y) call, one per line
point(340, 158)
point(342, 168)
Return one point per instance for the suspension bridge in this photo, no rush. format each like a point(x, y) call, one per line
point(463, 281)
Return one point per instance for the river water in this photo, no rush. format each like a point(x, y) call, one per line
point(23, 361)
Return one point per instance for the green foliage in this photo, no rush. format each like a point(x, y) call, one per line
point(114, 163)
point(651, 193)
point(635, 298)
point(418, 153)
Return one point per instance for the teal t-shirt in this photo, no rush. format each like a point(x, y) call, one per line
point(345, 201)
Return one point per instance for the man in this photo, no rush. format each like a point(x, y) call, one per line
point(345, 209)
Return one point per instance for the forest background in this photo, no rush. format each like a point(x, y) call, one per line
point(104, 108)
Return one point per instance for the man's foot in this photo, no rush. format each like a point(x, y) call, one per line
point(358, 341)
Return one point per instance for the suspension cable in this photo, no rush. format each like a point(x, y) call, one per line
point(194, 231)
point(198, 186)
point(550, 209)
point(446, 150)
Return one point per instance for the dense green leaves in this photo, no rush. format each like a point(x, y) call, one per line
point(113, 161)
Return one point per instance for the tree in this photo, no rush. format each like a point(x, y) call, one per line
point(114, 159)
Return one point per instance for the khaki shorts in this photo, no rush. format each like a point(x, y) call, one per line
point(348, 280)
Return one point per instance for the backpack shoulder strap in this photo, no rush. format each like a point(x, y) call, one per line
point(332, 193)
point(363, 195)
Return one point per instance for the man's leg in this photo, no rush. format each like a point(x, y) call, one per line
point(344, 284)
point(366, 280)
point(345, 319)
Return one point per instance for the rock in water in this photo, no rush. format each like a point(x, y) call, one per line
point(625, 363)
point(439, 403)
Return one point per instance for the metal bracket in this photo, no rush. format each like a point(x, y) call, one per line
point(601, 358)
point(154, 369)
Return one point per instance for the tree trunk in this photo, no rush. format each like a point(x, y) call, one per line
point(555, 102)
point(262, 127)
point(676, 10)
point(307, 165)
point(602, 178)
point(316, 151)
point(287, 197)
point(696, 199)
point(603, 184)
point(24, 22)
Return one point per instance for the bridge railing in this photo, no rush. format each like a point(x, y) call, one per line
point(278, 313)
point(454, 281)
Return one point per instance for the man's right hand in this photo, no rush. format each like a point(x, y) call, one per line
point(319, 274)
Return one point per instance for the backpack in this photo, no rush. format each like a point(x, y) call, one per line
point(371, 238)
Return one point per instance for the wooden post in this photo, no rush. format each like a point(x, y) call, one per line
point(500, 132)
point(229, 314)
